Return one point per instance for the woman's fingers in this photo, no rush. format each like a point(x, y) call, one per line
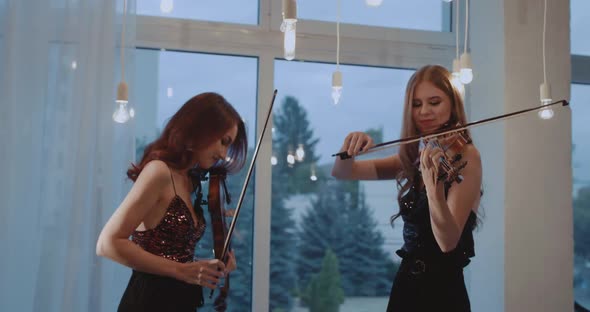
point(351, 145)
point(216, 265)
point(362, 144)
point(424, 157)
point(207, 273)
point(208, 281)
point(436, 157)
point(232, 264)
point(356, 142)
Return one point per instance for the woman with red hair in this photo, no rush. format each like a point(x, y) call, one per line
point(158, 215)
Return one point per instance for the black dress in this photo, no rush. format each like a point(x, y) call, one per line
point(173, 238)
point(428, 279)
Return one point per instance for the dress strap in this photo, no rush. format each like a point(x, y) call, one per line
point(173, 186)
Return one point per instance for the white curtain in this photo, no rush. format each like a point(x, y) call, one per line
point(62, 157)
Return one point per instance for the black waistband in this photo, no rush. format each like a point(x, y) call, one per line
point(419, 262)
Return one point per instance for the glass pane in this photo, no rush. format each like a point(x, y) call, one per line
point(580, 104)
point(227, 11)
point(165, 81)
point(580, 23)
point(417, 14)
point(333, 223)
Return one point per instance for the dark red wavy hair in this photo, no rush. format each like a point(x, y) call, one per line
point(198, 123)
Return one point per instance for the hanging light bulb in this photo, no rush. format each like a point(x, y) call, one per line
point(121, 115)
point(273, 160)
point(290, 158)
point(456, 77)
point(466, 73)
point(313, 176)
point(545, 88)
point(373, 3)
point(288, 28)
point(131, 112)
point(336, 86)
point(337, 75)
point(545, 92)
point(300, 153)
point(166, 6)
point(74, 65)
point(169, 92)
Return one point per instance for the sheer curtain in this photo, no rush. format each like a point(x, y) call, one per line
point(62, 157)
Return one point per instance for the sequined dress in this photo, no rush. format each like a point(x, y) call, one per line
point(428, 279)
point(173, 238)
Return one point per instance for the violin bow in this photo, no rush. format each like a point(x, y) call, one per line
point(417, 138)
point(248, 175)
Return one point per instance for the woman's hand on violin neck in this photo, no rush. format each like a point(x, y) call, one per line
point(430, 158)
point(229, 212)
point(231, 262)
point(203, 272)
point(356, 142)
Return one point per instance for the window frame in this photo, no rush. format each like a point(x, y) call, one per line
point(580, 71)
point(316, 41)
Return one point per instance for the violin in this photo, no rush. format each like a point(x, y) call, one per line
point(222, 234)
point(216, 199)
point(452, 145)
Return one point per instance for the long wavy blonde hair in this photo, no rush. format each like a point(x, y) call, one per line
point(441, 78)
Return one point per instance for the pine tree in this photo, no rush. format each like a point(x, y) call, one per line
point(292, 129)
point(341, 220)
point(324, 293)
point(369, 272)
point(240, 293)
point(282, 249)
point(323, 227)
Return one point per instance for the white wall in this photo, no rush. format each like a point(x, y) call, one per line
point(525, 246)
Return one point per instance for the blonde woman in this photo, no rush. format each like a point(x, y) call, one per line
point(438, 217)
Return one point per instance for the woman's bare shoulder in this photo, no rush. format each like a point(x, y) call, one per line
point(155, 171)
point(471, 153)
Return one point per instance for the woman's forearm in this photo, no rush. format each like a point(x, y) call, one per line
point(131, 255)
point(342, 168)
point(444, 227)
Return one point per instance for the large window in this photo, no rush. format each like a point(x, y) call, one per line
point(417, 14)
point(371, 101)
point(580, 23)
point(325, 231)
point(580, 103)
point(227, 11)
point(167, 80)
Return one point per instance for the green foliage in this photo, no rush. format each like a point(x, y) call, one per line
point(582, 223)
point(376, 134)
point(292, 130)
point(341, 221)
point(324, 293)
